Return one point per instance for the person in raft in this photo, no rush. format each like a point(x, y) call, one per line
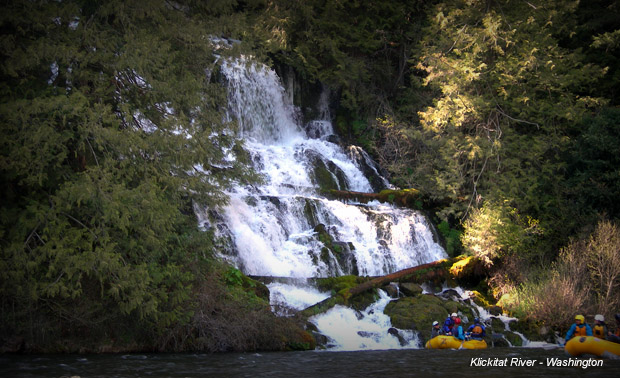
point(579, 328)
point(436, 330)
point(448, 324)
point(457, 330)
point(600, 328)
point(615, 337)
point(476, 331)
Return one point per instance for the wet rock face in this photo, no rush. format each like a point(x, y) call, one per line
point(325, 175)
point(391, 290)
point(369, 167)
point(336, 252)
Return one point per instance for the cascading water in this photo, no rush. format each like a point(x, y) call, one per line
point(274, 228)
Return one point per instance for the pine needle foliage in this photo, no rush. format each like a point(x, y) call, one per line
point(111, 128)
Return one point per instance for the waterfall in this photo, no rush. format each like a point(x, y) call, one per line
point(275, 228)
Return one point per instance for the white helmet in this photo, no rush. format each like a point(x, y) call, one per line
point(600, 318)
point(454, 314)
point(435, 322)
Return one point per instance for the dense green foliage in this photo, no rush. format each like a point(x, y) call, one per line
point(106, 115)
point(504, 112)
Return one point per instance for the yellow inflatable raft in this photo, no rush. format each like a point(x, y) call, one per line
point(591, 345)
point(451, 342)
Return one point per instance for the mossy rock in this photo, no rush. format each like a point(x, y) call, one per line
point(499, 341)
point(327, 177)
point(391, 290)
point(480, 299)
point(497, 324)
point(450, 306)
point(468, 270)
point(341, 251)
point(362, 301)
point(336, 284)
point(494, 310)
point(529, 328)
point(417, 313)
point(258, 288)
point(410, 289)
point(310, 212)
point(301, 340)
point(466, 312)
point(513, 338)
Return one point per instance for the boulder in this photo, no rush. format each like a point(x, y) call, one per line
point(410, 289)
point(450, 306)
point(494, 310)
point(391, 290)
point(416, 313)
point(529, 328)
point(451, 294)
point(498, 340)
point(497, 324)
point(513, 338)
point(394, 332)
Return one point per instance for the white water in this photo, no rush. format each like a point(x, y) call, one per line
point(486, 317)
point(271, 227)
point(352, 330)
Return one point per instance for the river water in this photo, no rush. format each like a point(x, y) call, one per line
point(377, 363)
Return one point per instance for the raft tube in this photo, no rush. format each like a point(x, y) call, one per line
point(592, 345)
point(451, 342)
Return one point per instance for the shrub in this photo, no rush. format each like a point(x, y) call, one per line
point(585, 279)
point(496, 230)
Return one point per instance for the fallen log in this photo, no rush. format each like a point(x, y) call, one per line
point(410, 198)
point(402, 197)
point(424, 272)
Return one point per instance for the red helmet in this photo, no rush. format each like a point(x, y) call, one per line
point(457, 321)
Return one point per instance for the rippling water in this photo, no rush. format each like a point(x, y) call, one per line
point(386, 363)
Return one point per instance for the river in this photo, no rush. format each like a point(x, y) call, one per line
point(377, 363)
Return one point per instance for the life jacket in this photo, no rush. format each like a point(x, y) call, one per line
point(599, 331)
point(580, 330)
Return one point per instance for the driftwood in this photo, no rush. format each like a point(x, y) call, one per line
point(424, 272)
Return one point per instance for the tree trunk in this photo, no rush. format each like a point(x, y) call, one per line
point(424, 272)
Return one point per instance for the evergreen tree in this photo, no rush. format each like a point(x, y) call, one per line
point(110, 131)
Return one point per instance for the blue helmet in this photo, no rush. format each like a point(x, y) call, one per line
point(476, 320)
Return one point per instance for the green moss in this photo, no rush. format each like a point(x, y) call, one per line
point(528, 328)
point(310, 213)
point(362, 301)
point(497, 325)
point(337, 248)
point(336, 284)
point(480, 299)
point(237, 282)
point(513, 338)
point(323, 178)
point(416, 313)
point(450, 306)
point(403, 197)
